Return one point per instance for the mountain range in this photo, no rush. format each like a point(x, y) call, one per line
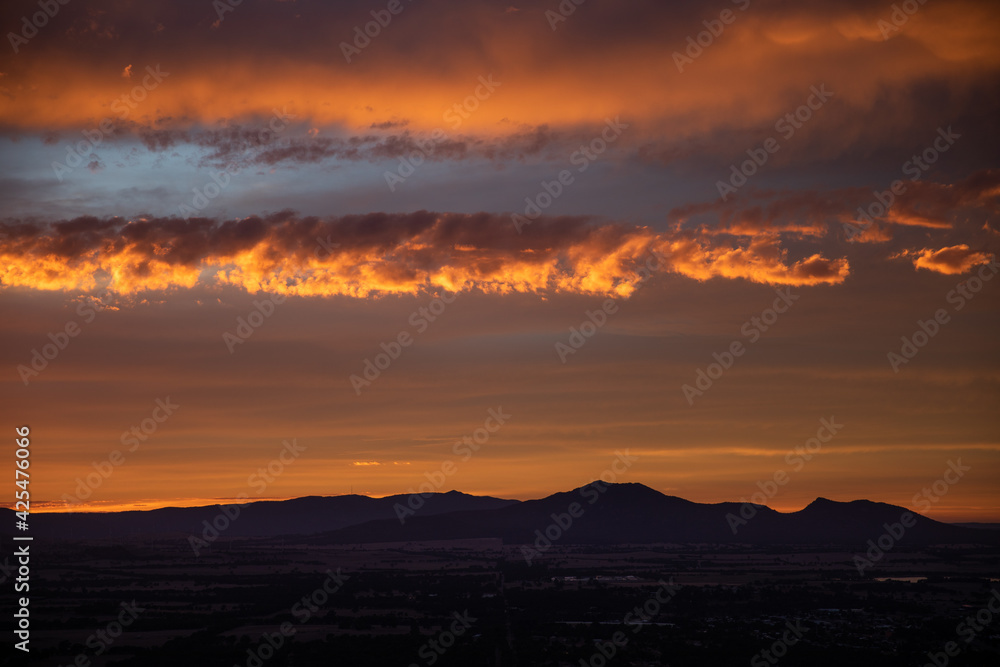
point(597, 513)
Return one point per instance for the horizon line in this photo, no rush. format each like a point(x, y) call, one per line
point(148, 505)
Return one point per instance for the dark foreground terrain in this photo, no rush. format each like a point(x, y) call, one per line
point(148, 602)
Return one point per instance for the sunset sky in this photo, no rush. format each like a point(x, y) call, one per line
point(471, 179)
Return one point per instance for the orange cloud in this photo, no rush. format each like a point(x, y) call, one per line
point(910, 219)
point(943, 207)
point(224, 75)
point(762, 261)
point(949, 261)
point(380, 254)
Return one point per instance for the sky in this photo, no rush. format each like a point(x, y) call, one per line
point(284, 248)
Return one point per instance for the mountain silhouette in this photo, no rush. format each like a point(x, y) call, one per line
point(267, 518)
point(597, 513)
point(636, 514)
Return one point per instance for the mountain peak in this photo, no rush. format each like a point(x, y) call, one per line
point(826, 503)
point(635, 487)
point(628, 512)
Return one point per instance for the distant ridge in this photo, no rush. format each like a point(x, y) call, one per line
point(265, 518)
point(636, 514)
point(979, 525)
point(597, 513)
